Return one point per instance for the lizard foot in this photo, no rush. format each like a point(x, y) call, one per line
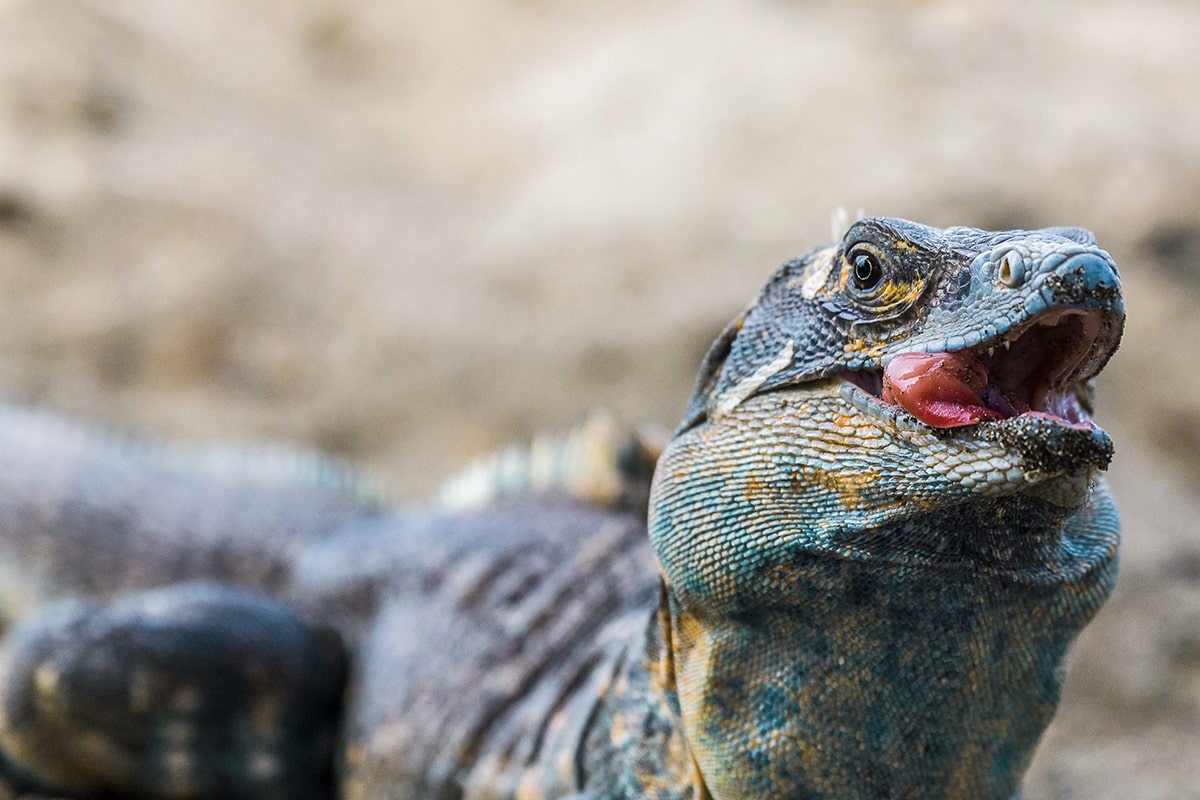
point(191, 691)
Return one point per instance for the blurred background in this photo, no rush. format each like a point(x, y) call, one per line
point(408, 232)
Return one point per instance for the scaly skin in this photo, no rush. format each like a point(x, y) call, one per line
point(864, 605)
point(848, 601)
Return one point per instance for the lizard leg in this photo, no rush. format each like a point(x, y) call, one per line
point(190, 691)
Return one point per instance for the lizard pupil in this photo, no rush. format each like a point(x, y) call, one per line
point(867, 272)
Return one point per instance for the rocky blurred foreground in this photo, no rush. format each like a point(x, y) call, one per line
point(408, 232)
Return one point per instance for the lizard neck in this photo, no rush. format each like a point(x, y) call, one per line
point(877, 679)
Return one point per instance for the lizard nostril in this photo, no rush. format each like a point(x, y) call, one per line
point(1012, 270)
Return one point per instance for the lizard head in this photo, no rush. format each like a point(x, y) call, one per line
point(909, 394)
point(984, 343)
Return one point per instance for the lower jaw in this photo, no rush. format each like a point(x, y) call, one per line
point(1049, 446)
point(864, 401)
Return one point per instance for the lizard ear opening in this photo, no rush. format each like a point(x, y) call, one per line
point(710, 374)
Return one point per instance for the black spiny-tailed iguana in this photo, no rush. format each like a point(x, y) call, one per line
point(870, 542)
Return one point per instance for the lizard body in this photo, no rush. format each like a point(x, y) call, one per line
point(868, 547)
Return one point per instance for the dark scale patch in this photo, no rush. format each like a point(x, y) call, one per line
point(1051, 448)
point(956, 290)
point(1072, 289)
point(727, 696)
point(773, 706)
point(1001, 639)
point(863, 590)
point(1017, 535)
point(898, 616)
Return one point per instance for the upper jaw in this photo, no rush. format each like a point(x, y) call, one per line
point(1041, 366)
point(1027, 387)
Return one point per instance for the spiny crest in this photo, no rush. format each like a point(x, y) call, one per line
point(262, 464)
point(596, 463)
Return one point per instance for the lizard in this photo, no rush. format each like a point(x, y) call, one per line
point(855, 572)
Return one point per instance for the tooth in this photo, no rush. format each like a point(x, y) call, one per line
point(1007, 343)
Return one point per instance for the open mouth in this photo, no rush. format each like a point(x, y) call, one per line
point(1039, 369)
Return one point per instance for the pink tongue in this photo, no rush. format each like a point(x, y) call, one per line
point(940, 389)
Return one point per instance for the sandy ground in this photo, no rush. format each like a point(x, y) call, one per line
point(407, 232)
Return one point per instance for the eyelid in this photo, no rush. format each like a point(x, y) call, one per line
point(848, 269)
point(867, 247)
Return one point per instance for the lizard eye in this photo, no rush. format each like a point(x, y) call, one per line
point(866, 271)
